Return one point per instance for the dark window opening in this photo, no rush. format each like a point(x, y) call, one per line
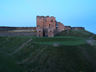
point(49, 25)
point(38, 25)
point(44, 34)
point(56, 27)
point(51, 20)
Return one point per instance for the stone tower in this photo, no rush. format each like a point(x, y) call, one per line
point(45, 26)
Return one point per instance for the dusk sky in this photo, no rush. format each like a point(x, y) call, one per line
point(23, 13)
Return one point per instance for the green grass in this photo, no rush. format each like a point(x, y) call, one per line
point(9, 44)
point(94, 37)
point(40, 55)
point(62, 40)
point(78, 33)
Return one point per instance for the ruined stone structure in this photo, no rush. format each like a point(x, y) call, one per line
point(17, 28)
point(48, 26)
point(60, 27)
point(78, 28)
point(68, 27)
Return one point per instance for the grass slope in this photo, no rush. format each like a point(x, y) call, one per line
point(62, 40)
point(77, 33)
point(31, 54)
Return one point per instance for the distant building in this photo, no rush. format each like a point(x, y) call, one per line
point(47, 26)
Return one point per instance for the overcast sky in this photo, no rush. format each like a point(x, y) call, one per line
point(70, 12)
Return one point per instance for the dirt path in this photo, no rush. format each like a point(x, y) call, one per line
point(21, 47)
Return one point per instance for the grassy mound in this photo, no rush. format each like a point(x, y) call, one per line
point(94, 37)
point(78, 33)
point(44, 57)
point(31, 54)
point(62, 40)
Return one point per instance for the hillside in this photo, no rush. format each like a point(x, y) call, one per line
point(70, 51)
point(79, 33)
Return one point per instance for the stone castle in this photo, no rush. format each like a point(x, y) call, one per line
point(48, 26)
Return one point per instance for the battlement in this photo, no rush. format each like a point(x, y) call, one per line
point(45, 17)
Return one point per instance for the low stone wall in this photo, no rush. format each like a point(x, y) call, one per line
point(78, 28)
point(16, 28)
point(17, 33)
